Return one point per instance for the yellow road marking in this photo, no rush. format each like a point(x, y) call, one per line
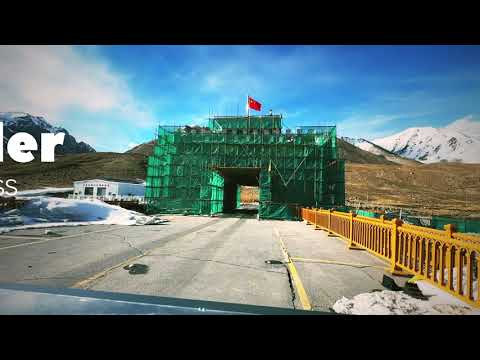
point(83, 283)
point(302, 294)
point(53, 239)
point(300, 259)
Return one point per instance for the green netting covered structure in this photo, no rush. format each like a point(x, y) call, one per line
point(367, 213)
point(461, 225)
point(238, 202)
point(198, 170)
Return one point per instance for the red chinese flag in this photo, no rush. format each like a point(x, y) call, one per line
point(253, 104)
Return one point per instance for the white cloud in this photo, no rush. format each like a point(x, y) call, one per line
point(231, 79)
point(259, 71)
point(48, 80)
point(470, 117)
point(367, 126)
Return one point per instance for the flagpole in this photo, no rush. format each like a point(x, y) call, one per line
point(248, 111)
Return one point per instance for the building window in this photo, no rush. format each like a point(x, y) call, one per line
point(88, 190)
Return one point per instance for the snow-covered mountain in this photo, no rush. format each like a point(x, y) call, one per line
point(364, 145)
point(15, 122)
point(378, 150)
point(459, 141)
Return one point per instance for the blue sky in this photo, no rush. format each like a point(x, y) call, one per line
point(113, 96)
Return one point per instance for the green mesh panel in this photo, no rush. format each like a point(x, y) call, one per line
point(296, 169)
point(239, 203)
point(461, 225)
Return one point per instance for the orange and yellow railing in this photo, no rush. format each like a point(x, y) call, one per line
point(447, 259)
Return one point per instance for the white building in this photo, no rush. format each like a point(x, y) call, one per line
point(109, 189)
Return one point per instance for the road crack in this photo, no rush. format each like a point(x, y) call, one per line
point(218, 262)
point(130, 245)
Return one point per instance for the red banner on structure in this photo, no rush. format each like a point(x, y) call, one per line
point(253, 104)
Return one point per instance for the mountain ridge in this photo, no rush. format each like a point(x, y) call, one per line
point(456, 142)
point(15, 122)
point(375, 149)
point(346, 151)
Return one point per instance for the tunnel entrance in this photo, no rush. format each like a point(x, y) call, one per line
point(249, 196)
point(192, 167)
point(234, 178)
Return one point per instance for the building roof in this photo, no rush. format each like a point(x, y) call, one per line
point(108, 179)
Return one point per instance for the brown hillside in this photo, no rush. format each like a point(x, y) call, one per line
point(441, 189)
point(353, 154)
point(145, 148)
point(345, 150)
point(390, 156)
point(444, 189)
point(69, 168)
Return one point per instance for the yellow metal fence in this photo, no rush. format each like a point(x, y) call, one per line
point(447, 259)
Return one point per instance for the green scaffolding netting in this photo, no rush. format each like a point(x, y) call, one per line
point(239, 122)
point(461, 225)
point(367, 213)
point(238, 202)
point(190, 170)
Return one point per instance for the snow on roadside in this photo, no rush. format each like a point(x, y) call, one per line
point(43, 191)
point(388, 302)
point(40, 212)
point(464, 281)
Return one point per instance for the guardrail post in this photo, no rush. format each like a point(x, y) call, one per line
point(351, 245)
point(394, 269)
point(315, 215)
point(351, 227)
point(449, 229)
point(329, 219)
point(309, 218)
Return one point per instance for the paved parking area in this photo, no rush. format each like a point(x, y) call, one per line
point(328, 270)
point(222, 262)
point(193, 257)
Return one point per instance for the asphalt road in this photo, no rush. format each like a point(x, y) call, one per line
point(223, 262)
point(202, 258)
point(217, 259)
point(68, 255)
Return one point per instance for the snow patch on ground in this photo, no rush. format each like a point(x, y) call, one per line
point(43, 211)
point(388, 302)
point(43, 191)
point(464, 281)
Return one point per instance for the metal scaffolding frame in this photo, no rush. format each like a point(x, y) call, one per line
point(187, 172)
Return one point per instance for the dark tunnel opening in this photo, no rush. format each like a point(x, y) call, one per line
point(233, 178)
